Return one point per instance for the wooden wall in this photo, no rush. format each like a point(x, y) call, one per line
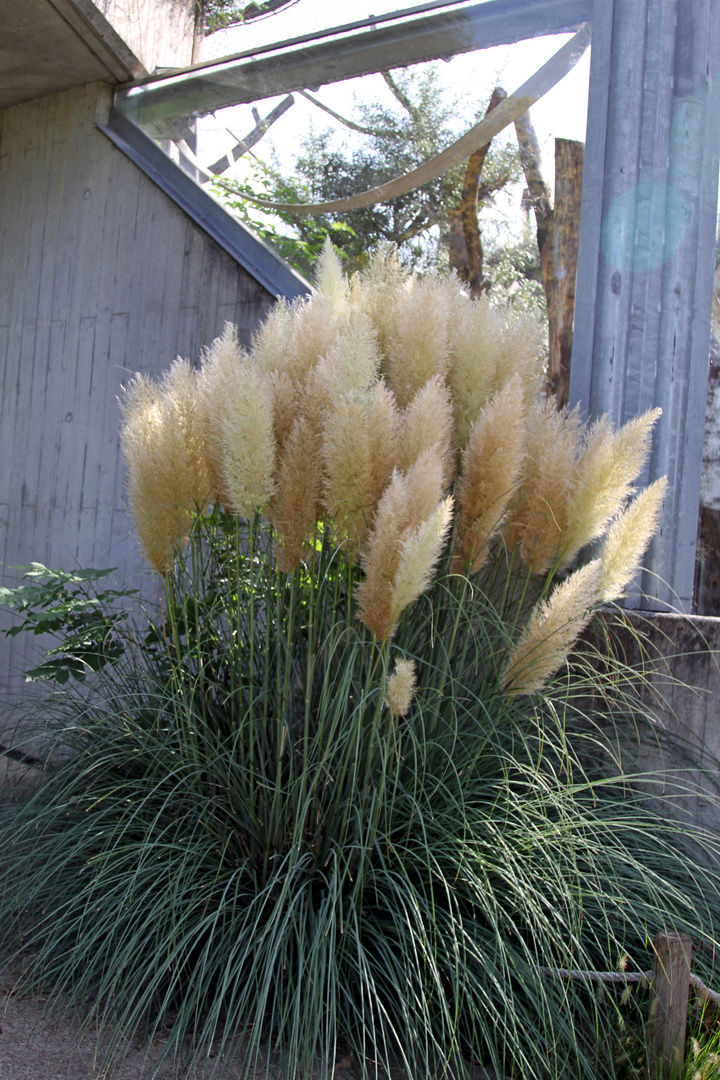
point(101, 275)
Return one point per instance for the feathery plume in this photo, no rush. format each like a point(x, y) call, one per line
point(221, 370)
point(331, 281)
point(628, 539)
point(538, 521)
point(270, 344)
point(552, 628)
point(417, 345)
point(475, 348)
point(348, 467)
point(383, 440)
point(608, 464)
point(245, 426)
point(286, 406)
point(162, 485)
point(521, 353)
point(426, 422)
point(351, 363)
point(400, 687)
point(419, 554)
point(299, 488)
point(312, 333)
point(409, 502)
point(491, 465)
point(374, 292)
point(180, 391)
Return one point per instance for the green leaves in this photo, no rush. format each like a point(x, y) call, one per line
point(66, 605)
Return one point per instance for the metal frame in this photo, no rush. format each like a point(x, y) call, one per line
point(252, 253)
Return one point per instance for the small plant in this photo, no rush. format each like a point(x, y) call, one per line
point(346, 789)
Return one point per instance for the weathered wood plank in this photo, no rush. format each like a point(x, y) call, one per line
point(642, 327)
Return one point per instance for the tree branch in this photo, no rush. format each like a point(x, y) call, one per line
point(466, 252)
point(538, 190)
point(243, 145)
point(402, 97)
point(380, 133)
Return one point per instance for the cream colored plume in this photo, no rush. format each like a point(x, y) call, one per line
point(397, 538)
point(348, 467)
point(286, 406)
point(221, 370)
point(551, 630)
point(331, 281)
point(179, 390)
point(427, 422)
point(475, 350)
point(609, 463)
point(400, 687)
point(164, 487)
point(419, 555)
point(538, 522)
point(312, 333)
point(417, 343)
point(521, 353)
point(271, 342)
point(296, 509)
point(374, 292)
point(351, 363)
point(238, 401)
point(491, 466)
point(628, 539)
point(383, 440)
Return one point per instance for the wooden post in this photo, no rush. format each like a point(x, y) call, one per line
point(559, 262)
point(669, 1005)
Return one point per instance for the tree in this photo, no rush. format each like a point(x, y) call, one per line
point(219, 14)
point(389, 139)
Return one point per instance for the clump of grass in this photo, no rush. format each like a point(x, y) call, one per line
point(345, 788)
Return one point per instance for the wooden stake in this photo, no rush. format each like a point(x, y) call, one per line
point(669, 1005)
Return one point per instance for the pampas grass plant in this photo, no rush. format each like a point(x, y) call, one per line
point(344, 792)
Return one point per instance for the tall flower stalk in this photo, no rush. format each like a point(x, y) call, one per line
point(403, 429)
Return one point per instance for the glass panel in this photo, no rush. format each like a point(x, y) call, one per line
point(309, 17)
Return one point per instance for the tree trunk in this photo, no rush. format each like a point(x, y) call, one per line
point(559, 263)
point(557, 236)
point(466, 252)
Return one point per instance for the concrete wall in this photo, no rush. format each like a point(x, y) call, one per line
point(101, 275)
point(679, 656)
point(161, 33)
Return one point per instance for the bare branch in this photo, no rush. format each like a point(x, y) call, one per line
point(243, 145)
point(402, 97)
point(538, 190)
point(466, 252)
point(381, 133)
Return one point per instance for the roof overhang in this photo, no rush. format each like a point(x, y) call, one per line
point(47, 46)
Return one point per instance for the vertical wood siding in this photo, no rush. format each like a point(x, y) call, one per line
point(101, 275)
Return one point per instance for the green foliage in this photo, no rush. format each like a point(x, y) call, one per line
point(219, 14)
point(247, 849)
point(65, 604)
